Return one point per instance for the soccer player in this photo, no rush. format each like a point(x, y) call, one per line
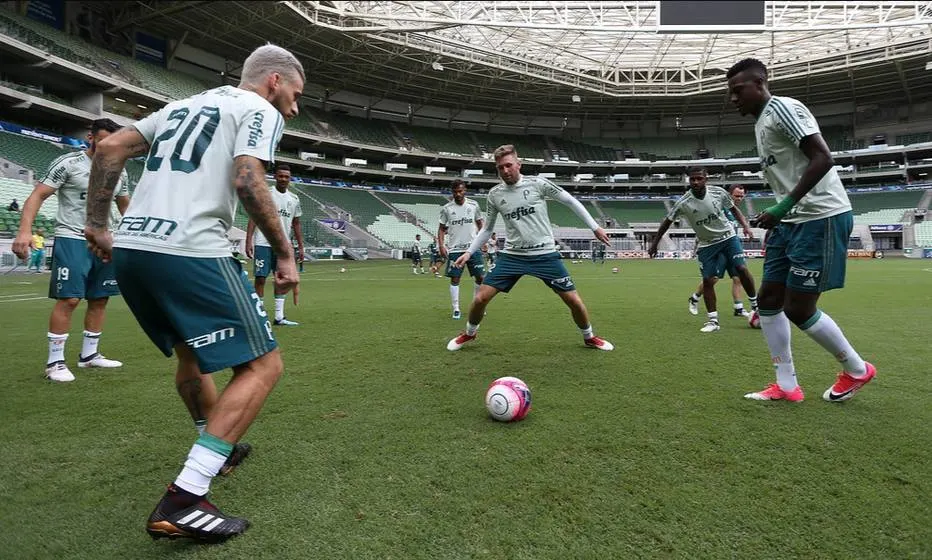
point(719, 248)
point(179, 279)
point(460, 218)
point(416, 255)
point(530, 247)
point(737, 195)
point(76, 273)
point(491, 251)
point(807, 244)
point(37, 259)
point(435, 259)
point(257, 246)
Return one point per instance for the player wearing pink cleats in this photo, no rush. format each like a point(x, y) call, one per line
point(773, 392)
point(847, 385)
point(530, 248)
point(807, 242)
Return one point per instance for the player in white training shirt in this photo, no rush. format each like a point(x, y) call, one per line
point(180, 280)
point(258, 247)
point(719, 250)
point(808, 240)
point(76, 273)
point(460, 220)
point(737, 196)
point(530, 247)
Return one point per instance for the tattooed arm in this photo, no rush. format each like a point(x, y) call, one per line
point(110, 156)
point(253, 192)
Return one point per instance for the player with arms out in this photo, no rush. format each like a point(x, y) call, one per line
point(416, 260)
point(737, 196)
point(530, 248)
point(257, 246)
point(718, 246)
point(807, 244)
point(460, 219)
point(181, 282)
point(76, 273)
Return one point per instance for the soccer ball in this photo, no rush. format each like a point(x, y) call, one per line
point(614, 270)
point(508, 399)
point(342, 270)
point(754, 320)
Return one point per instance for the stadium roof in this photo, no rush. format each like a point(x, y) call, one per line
point(534, 57)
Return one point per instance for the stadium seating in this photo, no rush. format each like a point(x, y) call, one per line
point(924, 234)
point(363, 207)
point(533, 147)
point(396, 233)
point(20, 190)
point(426, 208)
point(439, 140)
point(913, 138)
point(675, 148)
point(862, 203)
point(175, 85)
point(339, 125)
point(627, 212)
point(886, 216)
point(732, 145)
point(583, 152)
point(28, 152)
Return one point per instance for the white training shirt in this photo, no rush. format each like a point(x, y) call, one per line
point(185, 201)
point(782, 124)
point(460, 221)
point(706, 215)
point(68, 175)
point(289, 207)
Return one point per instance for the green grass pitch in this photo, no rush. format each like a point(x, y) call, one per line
point(376, 444)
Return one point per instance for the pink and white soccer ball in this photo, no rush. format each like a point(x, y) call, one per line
point(508, 399)
point(754, 320)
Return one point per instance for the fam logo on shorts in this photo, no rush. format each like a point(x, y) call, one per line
point(566, 282)
point(211, 338)
point(810, 275)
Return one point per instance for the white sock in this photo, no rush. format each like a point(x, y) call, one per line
point(822, 329)
point(200, 426)
point(753, 300)
point(89, 346)
point(739, 305)
point(56, 347)
point(587, 332)
point(713, 316)
point(455, 296)
point(279, 307)
point(471, 329)
point(201, 466)
point(695, 297)
point(778, 334)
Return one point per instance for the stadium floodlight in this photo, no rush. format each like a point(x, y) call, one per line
point(577, 99)
point(437, 66)
point(929, 65)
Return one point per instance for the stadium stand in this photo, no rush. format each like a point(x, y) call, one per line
point(339, 125)
point(583, 152)
point(363, 207)
point(426, 208)
point(923, 233)
point(731, 145)
point(439, 140)
point(20, 190)
point(628, 212)
point(886, 216)
point(28, 152)
point(869, 202)
point(675, 148)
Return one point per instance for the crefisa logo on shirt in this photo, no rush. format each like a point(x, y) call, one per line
point(255, 129)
